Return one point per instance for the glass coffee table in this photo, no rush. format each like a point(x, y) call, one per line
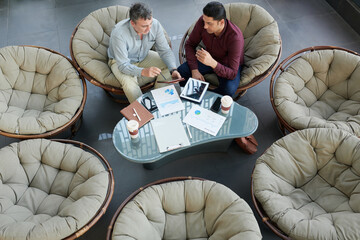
point(240, 122)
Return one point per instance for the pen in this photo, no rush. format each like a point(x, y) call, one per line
point(187, 126)
point(137, 115)
point(163, 76)
point(172, 81)
point(174, 147)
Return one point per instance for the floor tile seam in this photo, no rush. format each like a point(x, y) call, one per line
point(346, 23)
point(17, 36)
point(199, 6)
point(62, 27)
point(5, 7)
point(58, 32)
point(71, 5)
point(29, 12)
point(304, 17)
point(26, 9)
point(353, 42)
point(273, 9)
point(346, 42)
point(7, 25)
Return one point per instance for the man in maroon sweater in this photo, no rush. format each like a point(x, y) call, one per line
point(223, 53)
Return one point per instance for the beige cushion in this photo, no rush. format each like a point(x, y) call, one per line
point(91, 41)
point(308, 183)
point(321, 89)
point(39, 90)
point(190, 209)
point(48, 190)
point(262, 40)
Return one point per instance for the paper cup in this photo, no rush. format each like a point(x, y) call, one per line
point(133, 128)
point(226, 102)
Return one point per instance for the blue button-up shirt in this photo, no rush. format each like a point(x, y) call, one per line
point(126, 47)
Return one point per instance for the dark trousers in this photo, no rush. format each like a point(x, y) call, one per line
point(226, 86)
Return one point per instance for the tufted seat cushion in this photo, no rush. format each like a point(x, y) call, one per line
point(91, 41)
point(308, 183)
point(262, 42)
point(321, 89)
point(190, 209)
point(48, 190)
point(39, 90)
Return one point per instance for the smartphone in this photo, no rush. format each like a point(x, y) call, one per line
point(216, 105)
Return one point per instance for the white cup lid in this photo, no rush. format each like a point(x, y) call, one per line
point(132, 125)
point(226, 100)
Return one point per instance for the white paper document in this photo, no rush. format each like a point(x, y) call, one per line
point(169, 133)
point(167, 100)
point(204, 120)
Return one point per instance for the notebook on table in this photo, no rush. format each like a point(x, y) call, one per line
point(136, 111)
point(169, 133)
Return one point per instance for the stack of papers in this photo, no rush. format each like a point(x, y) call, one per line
point(204, 120)
point(169, 133)
point(167, 100)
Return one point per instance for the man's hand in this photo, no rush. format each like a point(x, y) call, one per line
point(175, 75)
point(205, 58)
point(150, 72)
point(197, 75)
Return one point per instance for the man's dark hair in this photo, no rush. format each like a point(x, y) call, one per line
point(140, 10)
point(215, 10)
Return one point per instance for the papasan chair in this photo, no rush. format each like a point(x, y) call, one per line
point(41, 93)
point(52, 189)
point(306, 186)
point(88, 48)
point(318, 87)
point(183, 208)
point(262, 46)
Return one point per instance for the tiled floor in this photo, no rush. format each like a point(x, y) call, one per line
point(49, 23)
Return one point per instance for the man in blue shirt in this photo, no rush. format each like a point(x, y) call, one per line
point(131, 60)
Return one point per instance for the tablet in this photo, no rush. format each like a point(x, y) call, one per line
point(194, 90)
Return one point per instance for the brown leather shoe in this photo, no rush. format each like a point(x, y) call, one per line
point(248, 144)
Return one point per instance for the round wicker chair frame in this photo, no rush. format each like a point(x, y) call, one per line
point(241, 90)
point(264, 217)
point(109, 193)
point(128, 199)
point(74, 122)
point(284, 126)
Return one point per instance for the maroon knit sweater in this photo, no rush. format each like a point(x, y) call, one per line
point(227, 49)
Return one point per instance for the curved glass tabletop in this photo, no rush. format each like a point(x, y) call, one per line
point(240, 122)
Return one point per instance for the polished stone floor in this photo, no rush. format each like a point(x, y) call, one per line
point(49, 23)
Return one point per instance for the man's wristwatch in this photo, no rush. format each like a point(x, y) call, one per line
point(172, 70)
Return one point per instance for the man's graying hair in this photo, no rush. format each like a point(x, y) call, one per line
point(140, 10)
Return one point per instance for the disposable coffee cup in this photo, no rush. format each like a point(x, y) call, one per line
point(133, 128)
point(226, 102)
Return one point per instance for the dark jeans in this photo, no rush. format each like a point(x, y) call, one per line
point(226, 86)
